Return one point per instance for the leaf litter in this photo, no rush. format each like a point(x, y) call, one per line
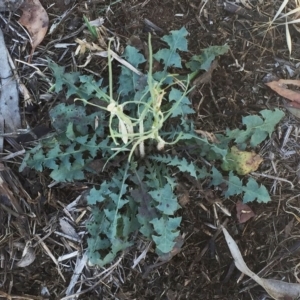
point(194, 218)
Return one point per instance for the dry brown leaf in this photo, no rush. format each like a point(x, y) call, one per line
point(36, 20)
point(243, 212)
point(280, 87)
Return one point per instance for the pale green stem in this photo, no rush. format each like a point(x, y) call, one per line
point(110, 72)
point(141, 145)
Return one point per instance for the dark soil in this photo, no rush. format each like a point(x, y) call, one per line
point(204, 268)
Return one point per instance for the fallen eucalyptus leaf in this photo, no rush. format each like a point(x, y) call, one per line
point(277, 289)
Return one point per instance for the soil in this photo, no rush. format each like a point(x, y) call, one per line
point(204, 268)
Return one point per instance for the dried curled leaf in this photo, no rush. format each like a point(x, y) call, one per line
point(36, 20)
